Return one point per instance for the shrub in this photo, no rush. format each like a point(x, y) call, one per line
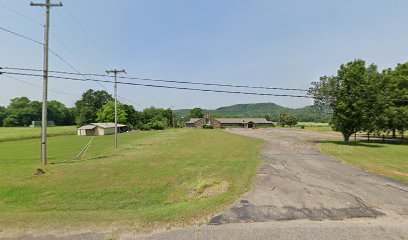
point(208, 127)
point(157, 125)
point(146, 127)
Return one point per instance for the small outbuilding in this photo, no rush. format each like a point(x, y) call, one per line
point(100, 129)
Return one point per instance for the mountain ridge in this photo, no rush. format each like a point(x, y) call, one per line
point(269, 110)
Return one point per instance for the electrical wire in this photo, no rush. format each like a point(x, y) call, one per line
point(34, 85)
point(22, 36)
point(138, 78)
point(164, 86)
point(21, 15)
point(52, 51)
point(166, 81)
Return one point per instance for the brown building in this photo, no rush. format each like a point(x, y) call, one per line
point(228, 122)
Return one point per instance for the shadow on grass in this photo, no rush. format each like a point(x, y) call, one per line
point(358, 143)
point(70, 161)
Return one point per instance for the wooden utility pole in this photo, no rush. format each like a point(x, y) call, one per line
point(44, 119)
point(115, 72)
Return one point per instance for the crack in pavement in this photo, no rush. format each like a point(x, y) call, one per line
point(309, 185)
point(402, 190)
point(251, 213)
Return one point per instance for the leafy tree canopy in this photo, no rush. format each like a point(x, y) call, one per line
point(89, 105)
point(107, 113)
point(196, 113)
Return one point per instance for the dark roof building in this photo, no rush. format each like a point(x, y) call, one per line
point(228, 122)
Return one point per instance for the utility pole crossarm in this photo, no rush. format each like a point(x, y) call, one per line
point(46, 4)
point(115, 71)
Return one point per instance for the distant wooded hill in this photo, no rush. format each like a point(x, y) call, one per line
point(268, 110)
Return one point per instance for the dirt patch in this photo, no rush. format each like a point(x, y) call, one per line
point(209, 189)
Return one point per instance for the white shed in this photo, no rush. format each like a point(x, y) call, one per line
point(100, 129)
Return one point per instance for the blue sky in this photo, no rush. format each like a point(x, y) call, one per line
point(269, 43)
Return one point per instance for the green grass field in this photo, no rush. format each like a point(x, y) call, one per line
point(19, 133)
point(149, 181)
point(386, 159)
point(312, 124)
point(326, 129)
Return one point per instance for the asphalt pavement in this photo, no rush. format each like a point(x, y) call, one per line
point(300, 193)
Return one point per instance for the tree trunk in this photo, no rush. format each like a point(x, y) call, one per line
point(393, 133)
point(346, 137)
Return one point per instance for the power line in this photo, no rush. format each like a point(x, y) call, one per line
point(174, 87)
point(70, 65)
point(82, 33)
point(52, 51)
point(167, 81)
point(22, 36)
point(143, 79)
point(34, 85)
point(130, 101)
point(164, 86)
point(21, 15)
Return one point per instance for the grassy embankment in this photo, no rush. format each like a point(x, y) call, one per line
point(20, 133)
point(149, 181)
point(385, 159)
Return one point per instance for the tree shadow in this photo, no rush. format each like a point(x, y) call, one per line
point(71, 161)
point(371, 144)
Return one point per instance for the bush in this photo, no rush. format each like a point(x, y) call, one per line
point(146, 127)
point(302, 126)
point(208, 127)
point(157, 125)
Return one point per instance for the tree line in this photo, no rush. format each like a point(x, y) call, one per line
point(94, 106)
point(362, 98)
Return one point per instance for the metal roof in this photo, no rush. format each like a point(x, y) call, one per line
point(87, 127)
point(108, 125)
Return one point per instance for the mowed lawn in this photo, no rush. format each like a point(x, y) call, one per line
point(386, 159)
point(149, 181)
point(19, 133)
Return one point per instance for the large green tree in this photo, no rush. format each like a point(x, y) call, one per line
point(60, 114)
point(2, 115)
point(287, 120)
point(196, 113)
point(21, 112)
point(107, 113)
point(89, 105)
point(394, 96)
point(133, 117)
point(345, 95)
